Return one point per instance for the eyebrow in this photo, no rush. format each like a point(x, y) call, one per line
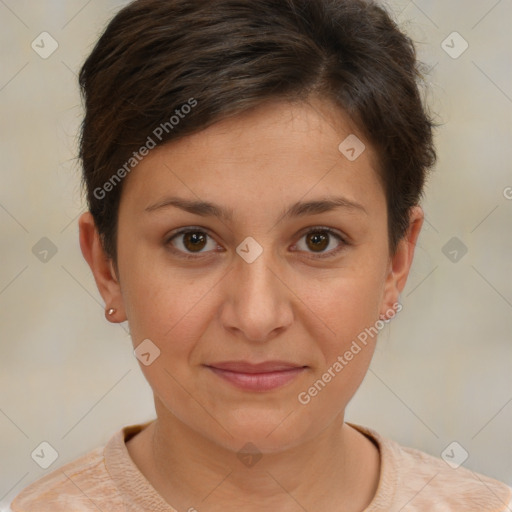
point(298, 209)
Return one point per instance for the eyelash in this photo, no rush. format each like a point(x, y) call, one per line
point(316, 229)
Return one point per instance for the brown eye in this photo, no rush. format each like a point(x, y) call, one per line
point(317, 240)
point(323, 241)
point(192, 241)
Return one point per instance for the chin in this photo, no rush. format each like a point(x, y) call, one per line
point(270, 433)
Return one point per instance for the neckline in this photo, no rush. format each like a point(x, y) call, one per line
point(388, 474)
point(139, 494)
point(135, 489)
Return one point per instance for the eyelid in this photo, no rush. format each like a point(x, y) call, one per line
point(332, 231)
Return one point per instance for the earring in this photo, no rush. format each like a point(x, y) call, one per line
point(110, 311)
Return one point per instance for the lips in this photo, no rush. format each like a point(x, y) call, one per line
point(263, 376)
point(246, 367)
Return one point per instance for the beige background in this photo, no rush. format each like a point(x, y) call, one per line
point(443, 368)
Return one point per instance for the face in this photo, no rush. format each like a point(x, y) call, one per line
point(256, 241)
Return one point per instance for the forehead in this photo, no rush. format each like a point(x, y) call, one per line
point(276, 152)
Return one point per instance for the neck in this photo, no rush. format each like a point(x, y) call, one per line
point(340, 465)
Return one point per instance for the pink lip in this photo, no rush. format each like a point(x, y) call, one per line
point(257, 377)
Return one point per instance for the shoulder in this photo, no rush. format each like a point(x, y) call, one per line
point(431, 480)
point(417, 481)
point(79, 486)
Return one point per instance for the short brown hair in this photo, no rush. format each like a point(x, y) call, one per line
point(156, 56)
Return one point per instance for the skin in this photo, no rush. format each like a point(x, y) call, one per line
point(289, 304)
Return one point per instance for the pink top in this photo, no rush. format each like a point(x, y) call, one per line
point(410, 480)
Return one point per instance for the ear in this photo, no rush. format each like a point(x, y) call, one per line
point(101, 266)
point(401, 262)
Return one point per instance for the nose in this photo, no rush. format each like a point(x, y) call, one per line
point(258, 302)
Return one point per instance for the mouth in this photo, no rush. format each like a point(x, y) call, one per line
point(263, 376)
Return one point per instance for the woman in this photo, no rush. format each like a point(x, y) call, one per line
point(253, 171)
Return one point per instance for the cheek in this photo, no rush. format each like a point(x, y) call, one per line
point(172, 311)
point(166, 304)
point(347, 304)
point(350, 309)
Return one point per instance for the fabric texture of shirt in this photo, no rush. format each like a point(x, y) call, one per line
point(410, 480)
